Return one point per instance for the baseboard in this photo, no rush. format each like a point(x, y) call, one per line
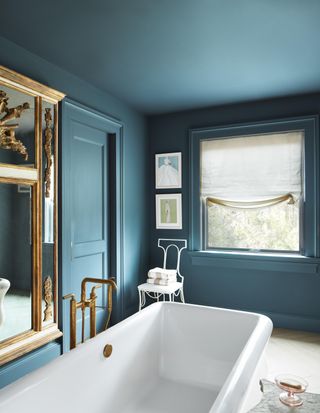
point(293, 322)
point(18, 368)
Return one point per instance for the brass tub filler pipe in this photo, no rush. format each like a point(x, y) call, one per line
point(88, 303)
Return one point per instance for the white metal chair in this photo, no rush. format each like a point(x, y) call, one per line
point(172, 290)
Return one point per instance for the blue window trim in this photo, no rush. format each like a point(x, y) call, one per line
point(309, 124)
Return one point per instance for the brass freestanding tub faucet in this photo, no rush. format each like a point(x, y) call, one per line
point(88, 303)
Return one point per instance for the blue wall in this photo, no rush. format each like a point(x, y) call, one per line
point(135, 179)
point(285, 290)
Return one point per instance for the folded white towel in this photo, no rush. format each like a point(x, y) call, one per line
point(159, 281)
point(162, 273)
point(169, 278)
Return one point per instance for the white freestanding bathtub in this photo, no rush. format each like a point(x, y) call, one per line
point(169, 358)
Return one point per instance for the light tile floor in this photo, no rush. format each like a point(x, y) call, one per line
point(295, 352)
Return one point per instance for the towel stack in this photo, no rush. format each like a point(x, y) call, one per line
point(162, 276)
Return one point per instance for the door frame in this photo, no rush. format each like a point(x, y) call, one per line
point(114, 129)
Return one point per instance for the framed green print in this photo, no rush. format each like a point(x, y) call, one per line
point(168, 211)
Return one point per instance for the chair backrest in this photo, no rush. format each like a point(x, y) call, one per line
point(179, 244)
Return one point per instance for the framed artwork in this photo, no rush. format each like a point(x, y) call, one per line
point(168, 170)
point(168, 211)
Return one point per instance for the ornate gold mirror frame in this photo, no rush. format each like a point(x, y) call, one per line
point(41, 177)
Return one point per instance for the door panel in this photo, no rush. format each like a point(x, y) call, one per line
point(87, 250)
point(88, 163)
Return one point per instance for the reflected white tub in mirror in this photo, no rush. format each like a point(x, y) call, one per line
point(4, 287)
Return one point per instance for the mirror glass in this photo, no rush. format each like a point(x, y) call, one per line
point(17, 118)
point(15, 259)
point(48, 211)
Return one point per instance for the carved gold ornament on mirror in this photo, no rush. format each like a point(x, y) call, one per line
point(48, 296)
point(8, 139)
point(47, 148)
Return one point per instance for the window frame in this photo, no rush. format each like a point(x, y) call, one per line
point(309, 231)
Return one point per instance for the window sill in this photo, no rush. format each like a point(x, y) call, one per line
point(294, 263)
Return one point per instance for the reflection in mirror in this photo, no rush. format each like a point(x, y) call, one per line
point(16, 127)
point(48, 208)
point(15, 259)
point(47, 282)
point(48, 211)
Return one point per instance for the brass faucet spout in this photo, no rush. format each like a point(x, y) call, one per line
point(86, 280)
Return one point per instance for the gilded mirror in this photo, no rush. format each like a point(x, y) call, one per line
point(28, 214)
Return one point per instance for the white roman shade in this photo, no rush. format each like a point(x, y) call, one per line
point(252, 168)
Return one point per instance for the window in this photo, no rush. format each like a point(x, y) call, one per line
point(254, 187)
point(251, 187)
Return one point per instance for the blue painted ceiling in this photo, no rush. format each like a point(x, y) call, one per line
point(169, 55)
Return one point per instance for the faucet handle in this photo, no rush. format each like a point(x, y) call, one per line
point(72, 296)
point(93, 290)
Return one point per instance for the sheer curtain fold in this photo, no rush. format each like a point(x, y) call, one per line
point(252, 168)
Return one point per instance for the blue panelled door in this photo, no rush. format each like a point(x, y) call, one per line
point(88, 241)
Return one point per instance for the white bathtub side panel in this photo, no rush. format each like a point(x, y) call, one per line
point(86, 381)
point(254, 395)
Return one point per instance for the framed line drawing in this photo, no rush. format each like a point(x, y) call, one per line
point(168, 211)
point(168, 170)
